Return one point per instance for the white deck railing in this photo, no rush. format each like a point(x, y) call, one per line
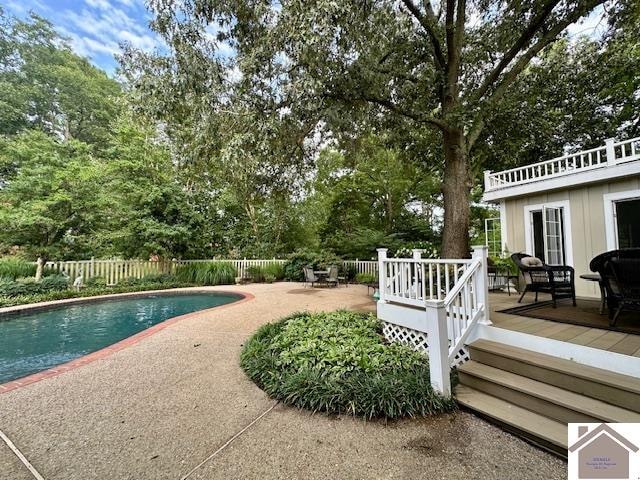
point(453, 295)
point(611, 154)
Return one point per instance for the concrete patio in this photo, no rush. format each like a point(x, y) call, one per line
point(168, 407)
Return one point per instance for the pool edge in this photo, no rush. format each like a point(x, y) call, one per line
point(120, 345)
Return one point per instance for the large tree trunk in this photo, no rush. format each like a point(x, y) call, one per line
point(456, 190)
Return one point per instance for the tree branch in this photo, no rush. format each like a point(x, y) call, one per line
point(520, 43)
point(522, 62)
point(428, 22)
point(389, 105)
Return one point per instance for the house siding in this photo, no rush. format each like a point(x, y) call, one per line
point(586, 204)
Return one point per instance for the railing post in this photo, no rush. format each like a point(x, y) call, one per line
point(611, 151)
point(487, 179)
point(438, 340)
point(382, 256)
point(417, 253)
point(481, 282)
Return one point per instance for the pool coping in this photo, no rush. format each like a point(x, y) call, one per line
point(115, 347)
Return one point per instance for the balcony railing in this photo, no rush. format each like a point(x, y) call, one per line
point(611, 154)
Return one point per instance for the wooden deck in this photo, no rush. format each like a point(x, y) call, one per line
point(626, 344)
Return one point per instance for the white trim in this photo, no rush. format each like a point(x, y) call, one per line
point(609, 200)
point(568, 238)
point(631, 168)
point(503, 225)
point(594, 357)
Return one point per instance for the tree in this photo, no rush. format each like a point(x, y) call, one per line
point(448, 67)
point(44, 85)
point(48, 204)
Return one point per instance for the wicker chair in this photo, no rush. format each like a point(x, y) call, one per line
point(556, 280)
point(620, 273)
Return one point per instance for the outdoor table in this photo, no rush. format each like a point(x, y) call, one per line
point(321, 274)
point(595, 277)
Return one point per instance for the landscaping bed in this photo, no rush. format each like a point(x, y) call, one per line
point(339, 362)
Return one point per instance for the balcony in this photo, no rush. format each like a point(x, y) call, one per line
point(598, 164)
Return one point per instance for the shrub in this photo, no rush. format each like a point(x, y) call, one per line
point(268, 278)
point(338, 363)
point(159, 278)
point(29, 286)
point(303, 258)
point(275, 270)
point(207, 273)
point(96, 282)
point(366, 278)
point(256, 274)
point(13, 268)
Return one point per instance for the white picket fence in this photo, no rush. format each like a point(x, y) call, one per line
point(114, 271)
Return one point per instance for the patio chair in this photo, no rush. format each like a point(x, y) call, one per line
point(332, 277)
point(556, 280)
point(309, 277)
point(619, 270)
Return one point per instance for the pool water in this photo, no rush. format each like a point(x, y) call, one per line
point(32, 342)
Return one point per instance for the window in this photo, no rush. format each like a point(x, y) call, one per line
point(493, 237)
point(627, 220)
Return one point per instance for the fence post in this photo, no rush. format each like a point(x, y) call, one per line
point(481, 282)
point(611, 151)
point(382, 256)
point(438, 340)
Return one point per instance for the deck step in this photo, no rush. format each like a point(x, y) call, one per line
point(539, 397)
point(538, 429)
point(613, 388)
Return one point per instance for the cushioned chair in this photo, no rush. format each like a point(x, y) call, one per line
point(556, 280)
point(620, 273)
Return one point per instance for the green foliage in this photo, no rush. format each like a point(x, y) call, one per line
point(16, 268)
point(256, 274)
point(274, 270)
point(337, 363)
point(505, 263)
point(92, 291)
point(366, 278)
point(207, 273)
point(44, 85)
point(293, 268)
point(29, 286)
point(268, 273)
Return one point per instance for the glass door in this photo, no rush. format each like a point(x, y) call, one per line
point(627, 221)
point(553, 235)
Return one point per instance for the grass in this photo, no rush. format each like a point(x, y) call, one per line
point(339, 363)
point(207, 273)
point(12, 268)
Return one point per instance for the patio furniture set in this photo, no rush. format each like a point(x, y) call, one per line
point(617, 273)
point(327, 278)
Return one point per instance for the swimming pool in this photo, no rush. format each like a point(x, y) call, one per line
point(35, 341)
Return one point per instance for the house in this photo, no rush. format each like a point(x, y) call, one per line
point(602, 453)
point(569, 209)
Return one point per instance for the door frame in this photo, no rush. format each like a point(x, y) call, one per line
point(528, 231)
point(609, 200)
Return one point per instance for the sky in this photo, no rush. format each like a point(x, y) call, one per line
point(95, 28)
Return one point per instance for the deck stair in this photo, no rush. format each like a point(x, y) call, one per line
point(535, 396)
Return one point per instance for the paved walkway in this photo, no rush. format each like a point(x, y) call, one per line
point(168, 406)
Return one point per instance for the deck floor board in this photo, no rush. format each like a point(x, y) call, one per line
point(624, 343)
